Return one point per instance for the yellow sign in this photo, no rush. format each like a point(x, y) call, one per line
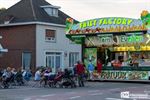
point(106, 21)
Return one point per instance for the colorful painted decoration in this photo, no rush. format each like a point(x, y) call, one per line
point(69, 24)
point(145, 16)
point(125, 75)
point(108, 24)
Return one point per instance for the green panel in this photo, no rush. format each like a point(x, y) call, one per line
point(76, 39)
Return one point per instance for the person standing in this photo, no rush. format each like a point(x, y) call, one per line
point(80, 73)
point(91, 69)
point(99, 66)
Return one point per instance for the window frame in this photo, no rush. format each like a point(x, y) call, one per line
point(73, 58)
point(50, 40)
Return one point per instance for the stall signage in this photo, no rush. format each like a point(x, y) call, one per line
point(122, 39)
point(105, 40)
point(104, 25)
point(131, 39)
point(106, 21)
point(97, 41)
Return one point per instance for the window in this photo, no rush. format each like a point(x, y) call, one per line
point(26, 60)
point(51, 10)
point(54, 60)
point(50, 35)
point(55, 12)
point(73, 58)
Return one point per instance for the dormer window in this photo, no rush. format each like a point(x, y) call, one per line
point(51, 10)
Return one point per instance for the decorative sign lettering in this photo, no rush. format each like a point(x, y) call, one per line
point(104, 25)
point(97, 41)
point(106, 21)
point(131, 39)
point(125, 75)
point(105, 39)
point(121, 39)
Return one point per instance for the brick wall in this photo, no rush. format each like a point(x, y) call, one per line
point(17, 39)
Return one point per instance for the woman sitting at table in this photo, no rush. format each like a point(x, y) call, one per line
point(134, 62)
point(116, 63)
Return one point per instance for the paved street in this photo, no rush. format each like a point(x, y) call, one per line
point(92, 91)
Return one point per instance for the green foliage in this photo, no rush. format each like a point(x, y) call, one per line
point(2, 10)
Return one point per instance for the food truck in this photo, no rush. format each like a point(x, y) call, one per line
point(122, 45)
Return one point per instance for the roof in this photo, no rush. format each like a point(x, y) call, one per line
point(31, 11)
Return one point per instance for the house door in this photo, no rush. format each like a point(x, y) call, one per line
point(54, 60)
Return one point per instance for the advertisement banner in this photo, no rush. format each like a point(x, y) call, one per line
point(122, 75)
point(90, 54)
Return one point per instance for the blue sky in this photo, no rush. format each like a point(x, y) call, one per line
point(90, 9)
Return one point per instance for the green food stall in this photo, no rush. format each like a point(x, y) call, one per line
point(112, 40)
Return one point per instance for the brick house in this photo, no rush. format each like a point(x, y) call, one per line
point(33, 31)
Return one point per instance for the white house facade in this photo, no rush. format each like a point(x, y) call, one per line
point(56, 53)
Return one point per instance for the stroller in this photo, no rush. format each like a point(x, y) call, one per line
point(55, 80)
point(19, 79)
point(68, 80)
point(7, 81)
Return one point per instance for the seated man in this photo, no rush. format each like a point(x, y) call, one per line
point(116, 63)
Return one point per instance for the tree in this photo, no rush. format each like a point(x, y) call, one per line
point(2, 9)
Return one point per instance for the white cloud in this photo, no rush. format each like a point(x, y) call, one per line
point(7, 3)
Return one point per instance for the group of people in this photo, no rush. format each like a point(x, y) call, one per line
point(83, 71)
point(80, 72)
point(11, 75)
point(91, 68)
point(44, 75)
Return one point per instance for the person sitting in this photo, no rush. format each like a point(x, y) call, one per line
point(58, 75)
point(6, 77)
point(46, 75)
point(38, 75)
point(135, 63)
point(116, 63)
point(66, 73)
point(27, 75)
point(59, 72)
point(19, 77)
